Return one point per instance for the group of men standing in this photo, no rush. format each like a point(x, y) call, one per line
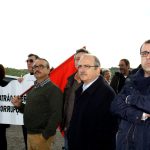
point(90, 112)
point(110, 117)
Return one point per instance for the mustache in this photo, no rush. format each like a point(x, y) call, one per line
point(37, 72)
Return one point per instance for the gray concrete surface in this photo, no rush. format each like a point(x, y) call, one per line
point(15, 139)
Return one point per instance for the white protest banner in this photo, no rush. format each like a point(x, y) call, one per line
point(8, 113)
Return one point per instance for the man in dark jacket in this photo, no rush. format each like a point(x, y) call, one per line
point(133, 106)
point(118, 80)
point(69, 94)
point(3, 139)
point(92, 126)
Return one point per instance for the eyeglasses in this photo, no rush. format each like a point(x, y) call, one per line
point(38, 67)
point(86, 66)
point(145, 53)
point(29, 60)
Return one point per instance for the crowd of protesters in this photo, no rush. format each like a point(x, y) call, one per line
point(98, 110)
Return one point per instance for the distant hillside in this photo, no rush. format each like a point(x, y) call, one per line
point(16, 72)
point(21, 72)
point(113, 70)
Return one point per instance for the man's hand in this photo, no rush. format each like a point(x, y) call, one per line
point(20, 79)
point(16, 101)
point(147, 115)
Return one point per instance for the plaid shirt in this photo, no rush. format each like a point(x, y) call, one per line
point(41, 84)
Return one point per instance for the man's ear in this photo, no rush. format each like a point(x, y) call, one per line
point(49, 71)
point(98, 70)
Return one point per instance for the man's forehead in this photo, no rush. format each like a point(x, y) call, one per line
point(146, 46)
point(121, 62)
point(37, 61)
point(32, 57)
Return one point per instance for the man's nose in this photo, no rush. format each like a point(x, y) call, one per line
point(148, 56)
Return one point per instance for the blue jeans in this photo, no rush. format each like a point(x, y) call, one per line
point(66, 141)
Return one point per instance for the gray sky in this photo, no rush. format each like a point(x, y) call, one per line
point(54, 29)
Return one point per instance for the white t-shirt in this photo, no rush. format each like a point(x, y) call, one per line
point(29, 77)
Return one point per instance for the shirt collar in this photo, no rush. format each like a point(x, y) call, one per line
point(41, 84)
point(85, 86)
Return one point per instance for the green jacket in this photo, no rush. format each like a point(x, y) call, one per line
point(43, 110)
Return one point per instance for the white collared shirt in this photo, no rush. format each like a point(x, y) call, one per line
point(85, 86)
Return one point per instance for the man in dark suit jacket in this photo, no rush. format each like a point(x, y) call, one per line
point(92, 126)
point(69, 95)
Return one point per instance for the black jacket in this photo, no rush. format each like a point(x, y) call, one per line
point(68, 101)
point(117, 82)
point(92, 126)
point(133, 133)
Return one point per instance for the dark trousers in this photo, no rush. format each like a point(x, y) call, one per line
point(24, 131)
point(3, 140)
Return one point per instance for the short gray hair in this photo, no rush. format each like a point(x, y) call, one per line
point(104, 70)
point(47, 63)
point(96, 62)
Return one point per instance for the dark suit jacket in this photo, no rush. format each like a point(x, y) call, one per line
point(92, 126)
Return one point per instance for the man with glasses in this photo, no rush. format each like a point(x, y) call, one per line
point(132, 105)
point(92, 125)
point(31, 78)
point(69, 93)
point(42, 113)
point(30, 61)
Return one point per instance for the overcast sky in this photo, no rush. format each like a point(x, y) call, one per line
point(54, 29)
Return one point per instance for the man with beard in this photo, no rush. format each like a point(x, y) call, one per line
point(118, 80)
